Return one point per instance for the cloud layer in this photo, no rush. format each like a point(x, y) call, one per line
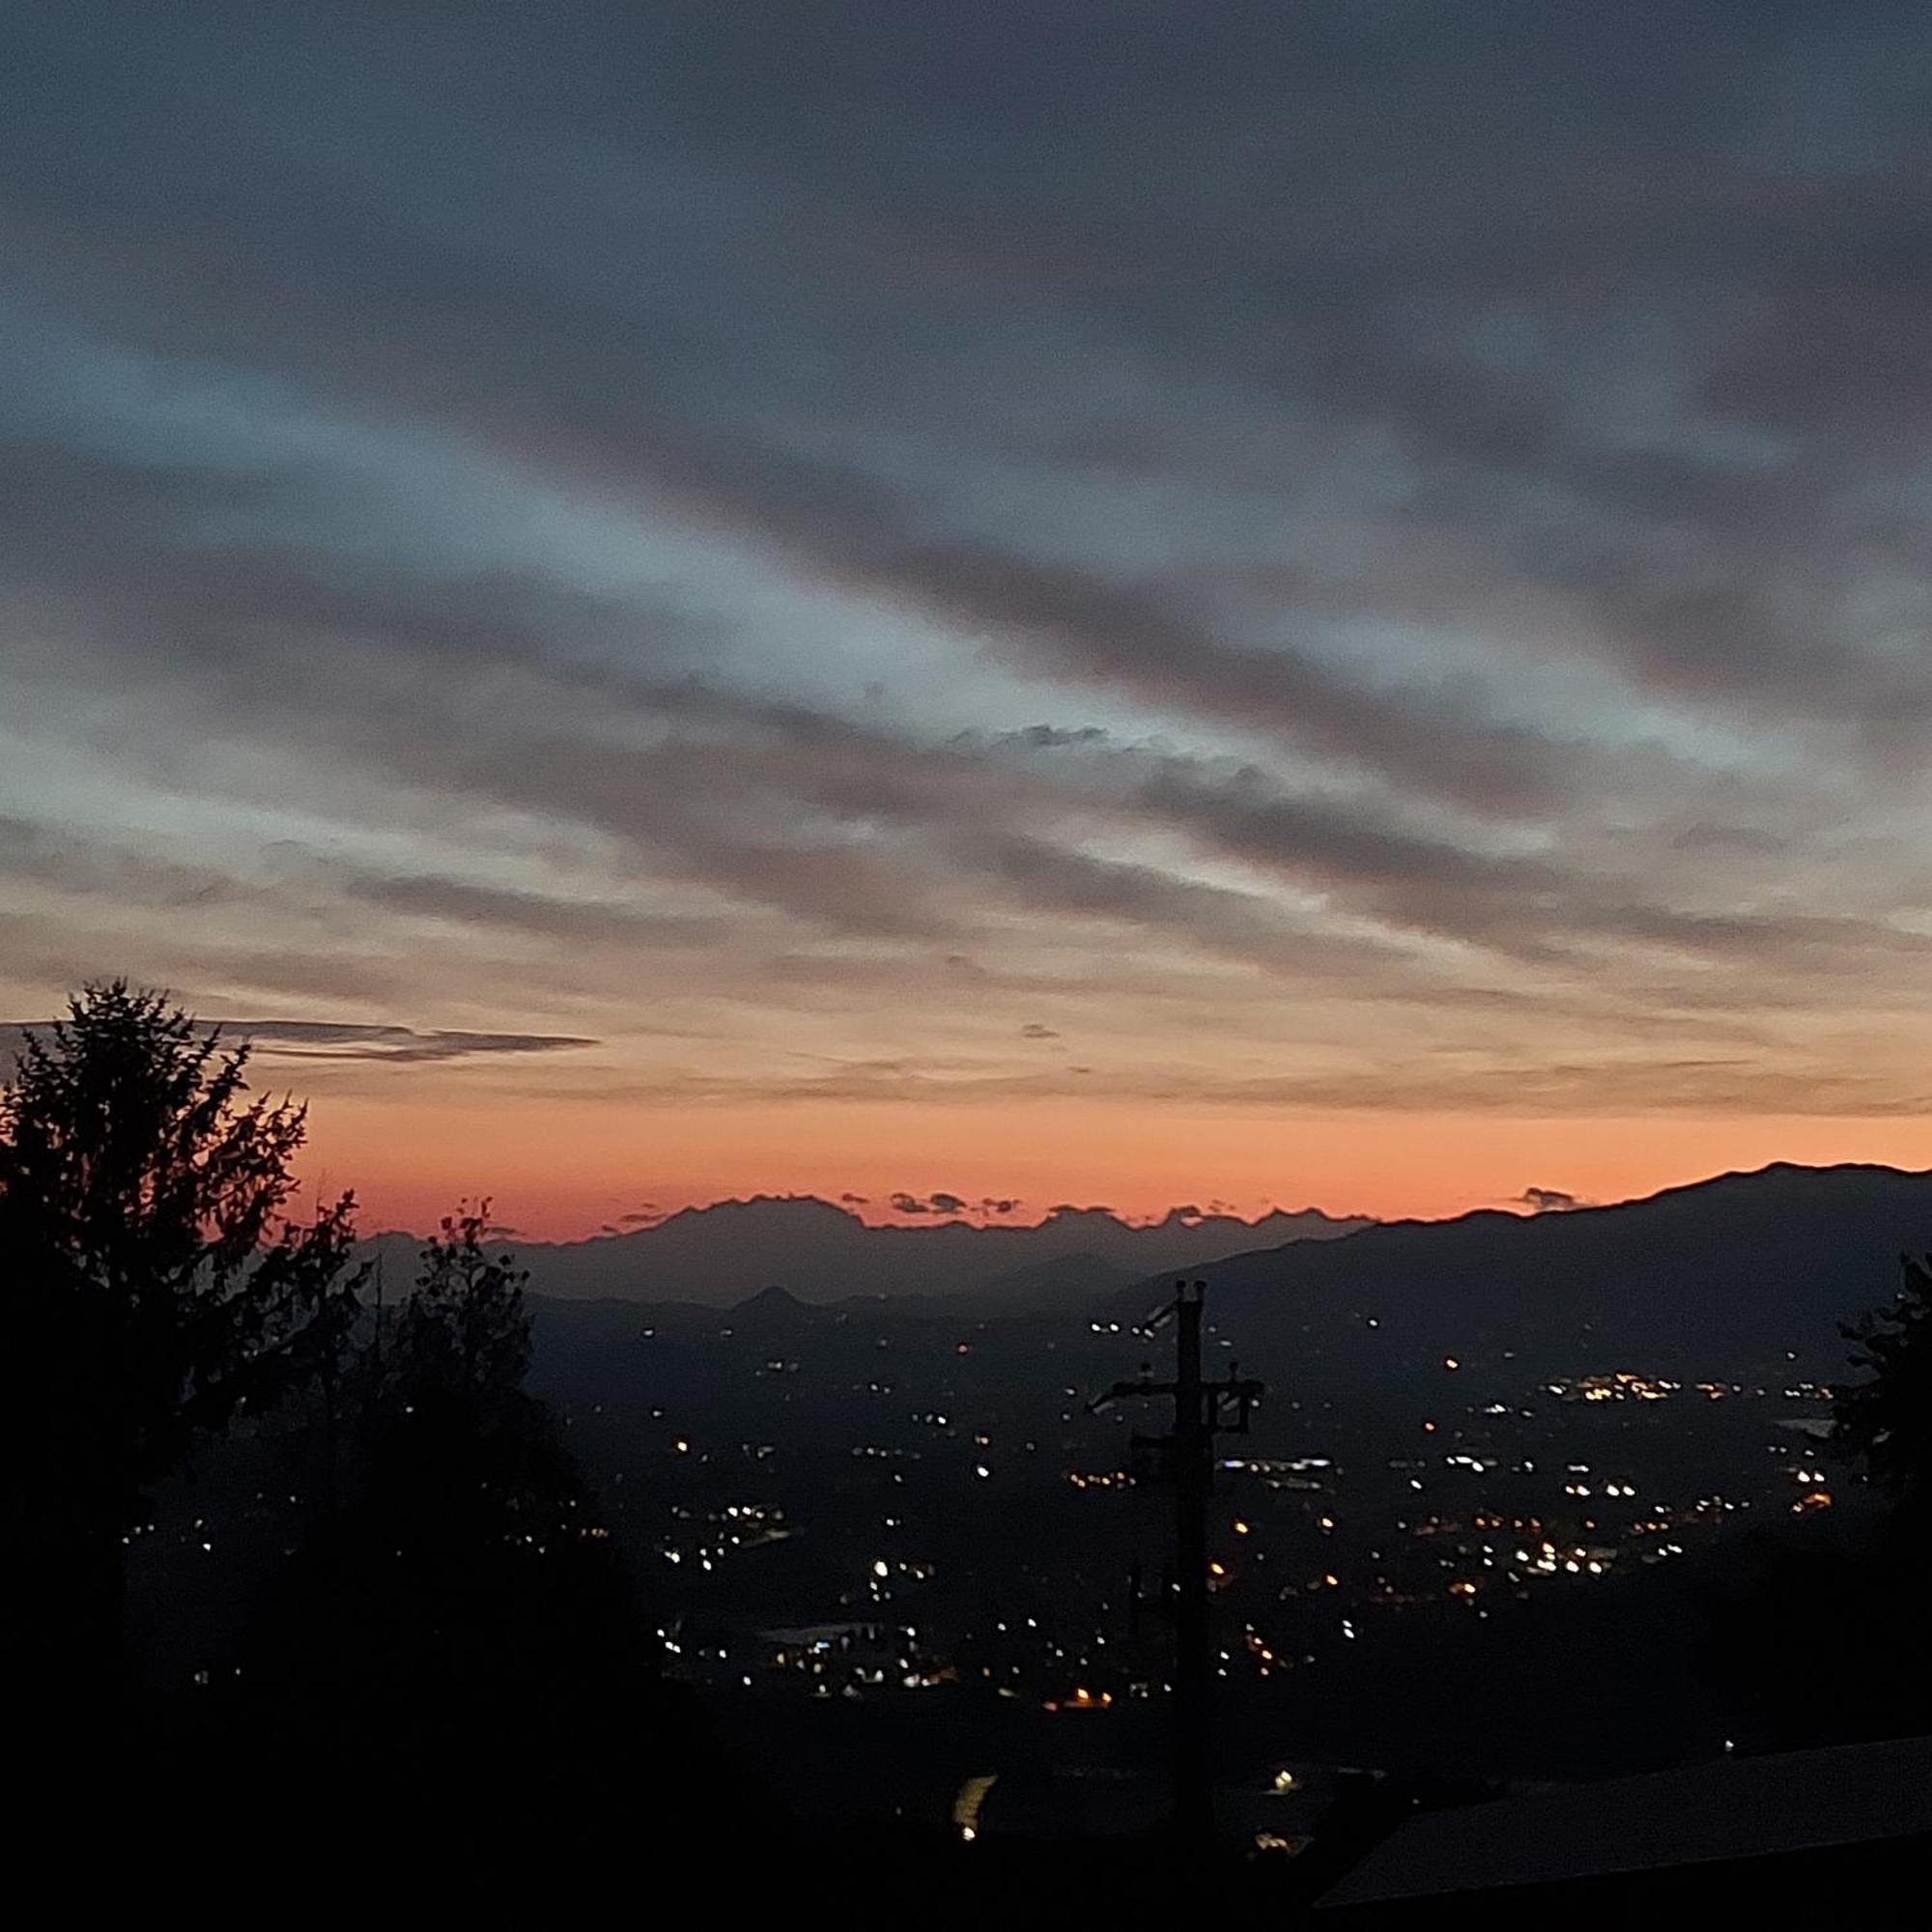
point(1346, 556)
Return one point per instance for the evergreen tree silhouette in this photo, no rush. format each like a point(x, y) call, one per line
point(155, 1289)
point(1816, 1631)
point(460, 1639)
point(464, 1336)
point(1885, 1418)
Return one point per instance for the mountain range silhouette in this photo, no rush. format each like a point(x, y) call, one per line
point(717, 1255)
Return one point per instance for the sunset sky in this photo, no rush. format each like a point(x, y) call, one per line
point(1136, 602)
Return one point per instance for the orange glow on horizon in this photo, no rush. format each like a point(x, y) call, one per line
point(557, 1170)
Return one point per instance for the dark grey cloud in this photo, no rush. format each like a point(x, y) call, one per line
point(385, 1043)
point(946, 1204)
point(459, 902)
point(376, 1042)
point(1138, 636)
point(942, 1203)
point(1548, 1200)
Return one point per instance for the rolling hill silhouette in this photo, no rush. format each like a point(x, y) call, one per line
point(1745, 1274)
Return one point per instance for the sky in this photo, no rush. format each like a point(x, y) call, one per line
point(1156, 602)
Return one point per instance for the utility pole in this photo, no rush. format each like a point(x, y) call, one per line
point(1201, 1411)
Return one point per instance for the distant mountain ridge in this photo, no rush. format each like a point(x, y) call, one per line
point(819, 1251)
point(1739, 1273)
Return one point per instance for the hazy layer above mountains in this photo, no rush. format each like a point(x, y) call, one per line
point(821, 1252)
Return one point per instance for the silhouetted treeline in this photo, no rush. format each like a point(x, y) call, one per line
point(445, 1674)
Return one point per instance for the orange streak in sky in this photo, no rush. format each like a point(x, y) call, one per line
point(557, 1170)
